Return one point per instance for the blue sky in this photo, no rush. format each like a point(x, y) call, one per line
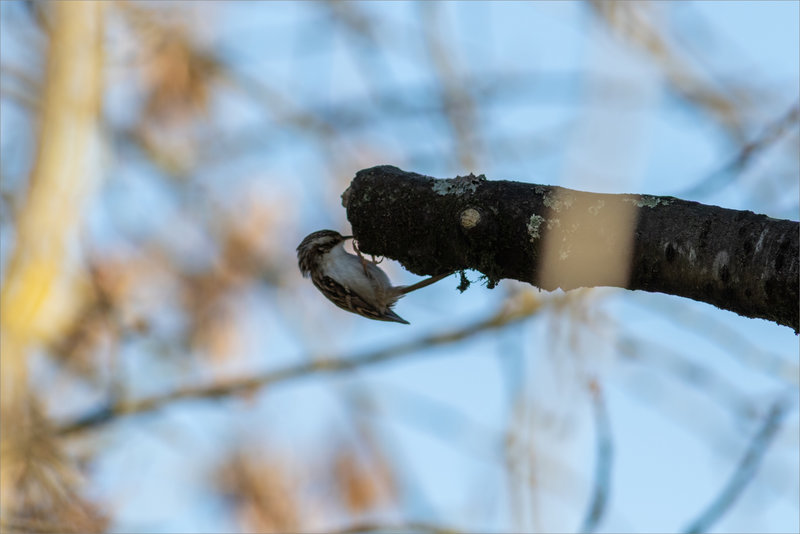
point(594, 113)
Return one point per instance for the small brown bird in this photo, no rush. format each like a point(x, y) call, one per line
point(352, 283)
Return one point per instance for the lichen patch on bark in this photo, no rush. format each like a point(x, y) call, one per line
point(533, 226)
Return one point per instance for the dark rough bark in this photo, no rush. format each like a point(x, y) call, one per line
point(735, 260)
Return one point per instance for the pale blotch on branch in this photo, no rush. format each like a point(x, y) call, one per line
point(594, 210)
point(470, 218)
point(558, 201)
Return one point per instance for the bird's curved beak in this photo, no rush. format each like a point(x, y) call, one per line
point(347, 237)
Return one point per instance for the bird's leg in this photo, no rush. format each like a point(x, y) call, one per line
point(403, 289)
point(360, 257)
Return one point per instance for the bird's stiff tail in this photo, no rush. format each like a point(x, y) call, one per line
point(424, 283)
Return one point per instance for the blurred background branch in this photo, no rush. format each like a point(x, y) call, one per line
point(604, 454)
point(523, 307)
point(40, 293)
point(746, 470)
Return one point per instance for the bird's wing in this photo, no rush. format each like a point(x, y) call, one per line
point(349, 300)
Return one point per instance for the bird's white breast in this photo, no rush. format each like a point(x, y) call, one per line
point(348, 270)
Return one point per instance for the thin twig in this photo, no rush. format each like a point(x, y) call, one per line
point(746, 469)
point(458, 104)
point(752, 356)
point(516, 311)
point(703, 378)
point(411, 526)
point(603, 462)
point(727, 174)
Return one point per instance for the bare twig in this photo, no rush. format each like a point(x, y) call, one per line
point(701, 377)
point(727, 175)
point(458, 105)
point(751, 356)
point(639, 24)
point(410, 527)
point(745, 471)
point(603, 462)
point(517, 310)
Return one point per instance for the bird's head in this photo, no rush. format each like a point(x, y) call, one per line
point(315, 245)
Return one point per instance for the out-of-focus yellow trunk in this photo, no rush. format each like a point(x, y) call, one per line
point(39, 292)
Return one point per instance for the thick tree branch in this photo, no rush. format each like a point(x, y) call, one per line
point(554, 237)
